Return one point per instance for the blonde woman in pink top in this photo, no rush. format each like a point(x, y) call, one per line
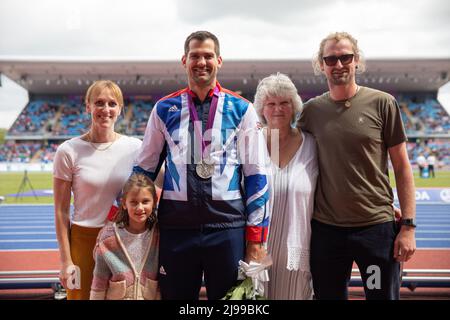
point(94, 167)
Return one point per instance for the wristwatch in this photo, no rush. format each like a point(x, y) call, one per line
point(408, 222)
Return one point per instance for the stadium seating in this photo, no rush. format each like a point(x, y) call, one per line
point(440, 147)
point(34, 118)
point(59, 118)
point(426, 117)
point(25, 152)
point(141, 112)
point(73, 121)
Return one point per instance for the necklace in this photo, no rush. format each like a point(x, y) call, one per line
point(97, 148)
point(347, 103)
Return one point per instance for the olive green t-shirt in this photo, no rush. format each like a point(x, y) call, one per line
point(353, 186)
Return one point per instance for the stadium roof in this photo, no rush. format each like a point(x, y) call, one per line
point(162, 77)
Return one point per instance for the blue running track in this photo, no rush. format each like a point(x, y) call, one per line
point(31, 227)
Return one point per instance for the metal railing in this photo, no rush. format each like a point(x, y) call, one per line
point(40, 279)
point(413, 278)
point(29, 279)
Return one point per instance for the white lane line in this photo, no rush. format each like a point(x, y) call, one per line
point(433, 239)
point(27, 218)
point(25, 213)
point(27, 205)
point(432, 220)
point(28, 240)
point(434, 225)
point(23, 233)
point(27, 227)
point(34, 221)
point(23, 218)
point(424, 216)
point(434, 216)
point(26, 250)
point(432, 231)
point(8, 214)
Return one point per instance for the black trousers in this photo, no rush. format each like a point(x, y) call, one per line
point(431, 170)
point(334, 249)
point(188, 256)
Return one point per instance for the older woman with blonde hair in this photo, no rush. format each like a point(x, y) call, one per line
point(294, 171)
point(94, 167)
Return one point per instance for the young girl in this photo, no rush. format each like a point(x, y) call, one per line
point(126, 253)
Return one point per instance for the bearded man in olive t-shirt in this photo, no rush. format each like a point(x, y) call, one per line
point(356, 129)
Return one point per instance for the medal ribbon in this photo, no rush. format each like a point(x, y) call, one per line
point(211, 116)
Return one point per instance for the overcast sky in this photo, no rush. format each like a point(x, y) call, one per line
point(255, 29)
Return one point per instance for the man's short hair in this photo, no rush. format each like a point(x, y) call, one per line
point(202, 36)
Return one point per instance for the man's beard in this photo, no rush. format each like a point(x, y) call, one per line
point(340, 79)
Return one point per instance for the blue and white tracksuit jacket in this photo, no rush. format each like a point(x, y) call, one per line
point(226, 200)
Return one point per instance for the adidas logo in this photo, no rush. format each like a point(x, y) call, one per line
point(162, 271)
point(173, 108)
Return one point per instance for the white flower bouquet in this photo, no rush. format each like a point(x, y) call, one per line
point(252, 277)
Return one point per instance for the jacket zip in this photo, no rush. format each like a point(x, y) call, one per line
point(136, 287)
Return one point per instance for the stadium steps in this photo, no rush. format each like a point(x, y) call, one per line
point(37, 156)
point(129, 113)
point(411, 118)
point(123, 125)
point(56, 122)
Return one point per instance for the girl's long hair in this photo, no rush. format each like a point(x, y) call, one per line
point(139, 181)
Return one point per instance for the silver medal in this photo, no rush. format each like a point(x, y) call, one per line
point(204, 170)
